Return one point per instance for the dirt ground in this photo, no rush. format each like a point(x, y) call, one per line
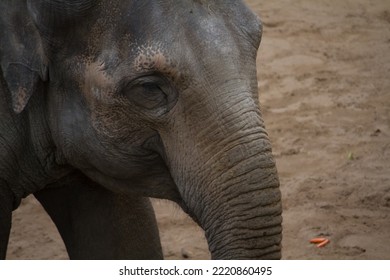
point(324, 72)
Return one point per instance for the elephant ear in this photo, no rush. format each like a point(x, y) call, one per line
point(22, 59)
point(25, 27)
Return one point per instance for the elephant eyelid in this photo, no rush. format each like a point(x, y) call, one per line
point(152, 87)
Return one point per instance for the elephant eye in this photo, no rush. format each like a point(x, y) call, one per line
point(154, 94)
point(147, 92)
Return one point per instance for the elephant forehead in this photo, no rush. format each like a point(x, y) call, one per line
point(151, 58)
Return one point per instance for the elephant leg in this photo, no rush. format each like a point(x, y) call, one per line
point(98, 224)
point(6, 205)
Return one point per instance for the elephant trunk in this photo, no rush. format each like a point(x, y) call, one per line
point(225, 172)
point(246, 222)
point(240, 208)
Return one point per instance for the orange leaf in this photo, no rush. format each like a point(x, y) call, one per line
point(323, 244)
point(317, 240)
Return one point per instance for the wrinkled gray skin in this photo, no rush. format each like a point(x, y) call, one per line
point(106, 103)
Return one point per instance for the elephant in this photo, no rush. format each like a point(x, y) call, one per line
point(106, 104)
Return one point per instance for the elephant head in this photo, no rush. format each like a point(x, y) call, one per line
point(160, 99)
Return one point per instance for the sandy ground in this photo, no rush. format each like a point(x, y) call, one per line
point(324, 72)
